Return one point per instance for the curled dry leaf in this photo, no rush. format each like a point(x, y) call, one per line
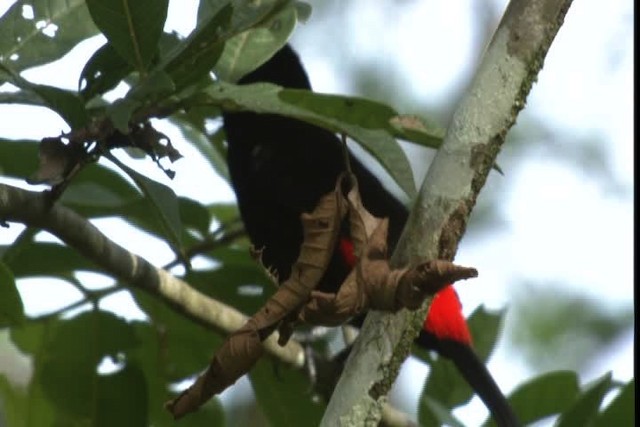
point(371, 284)
point(243, 348)
point(56, 161)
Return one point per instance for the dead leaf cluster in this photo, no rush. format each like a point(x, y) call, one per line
point(372, 284)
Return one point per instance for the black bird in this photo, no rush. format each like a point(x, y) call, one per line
point(280, 167)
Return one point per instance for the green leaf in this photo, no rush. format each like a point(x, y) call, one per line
point(248, 50)
point(132, 27)
point(543, 396)
point(365, 121)
point(185, 346)
point(413, 129)
point(283, 395)
point(18, 158)
point(120, 112)
point(68, 373)
point(586, 406)
point(621, 411)
point(485, 327)
point(25, 407)
point(14, 405)
point(444, 385)
point(224, 212)
point(21, 97)
point(102, 72)
point(197, 136)
point(209, 414)
point(52, 260)
point(303, 9)
point(98, 192)
point(67, 104)
point(202, 49)
point(11, 308)
point(194, 215)
point(438, 412)
point(26, 42)
point(29, 337)
point(122, 398)
point(164, 202)
point(156, 85)
point(208, 8)
point(226, 284)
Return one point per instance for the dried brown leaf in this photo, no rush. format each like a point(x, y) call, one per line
point(243, 348)
point(372, 284)
point(56, 159)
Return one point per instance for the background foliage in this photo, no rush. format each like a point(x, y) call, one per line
point(88, 364)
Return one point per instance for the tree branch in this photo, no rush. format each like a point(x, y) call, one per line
point(32, 209)
point(439, 216)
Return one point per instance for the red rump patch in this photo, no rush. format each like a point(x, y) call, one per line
point(445, 319)
point(346, 250)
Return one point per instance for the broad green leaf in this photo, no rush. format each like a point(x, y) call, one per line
point(621, 411)
point(164, 202)
point(23, 241)
point(136, 212)
point(586, 406)
point(102, 72)
point(365, 121)
point(202, 49)
point(69, 370)
point(95, 199)
point(14, 403)
point(156, 85)
point(109, 180)
point(438, 412)
point(485, 327)
point(229, 284)
point(132, 27)
point(413, 129)
point(49, 259)
point(445, 385)
point(120, 112)
point(36, 32)
point(196, 135)
point(208, 8)
point(186, 346)
point(67, 104)
point(122, 398)
point(224, 212)
point(194, 215)
point(21, 97)
point(11, 309)
point(98, 192)
point(19, 159)
point(209, 414)
point(156, 358)
point(250, 49)
point(283, 395)
point(30, 337)
point(25, 407)
point(303, 10)
point(543, 396)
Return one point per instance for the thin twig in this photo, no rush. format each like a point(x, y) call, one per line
point(30, 208)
